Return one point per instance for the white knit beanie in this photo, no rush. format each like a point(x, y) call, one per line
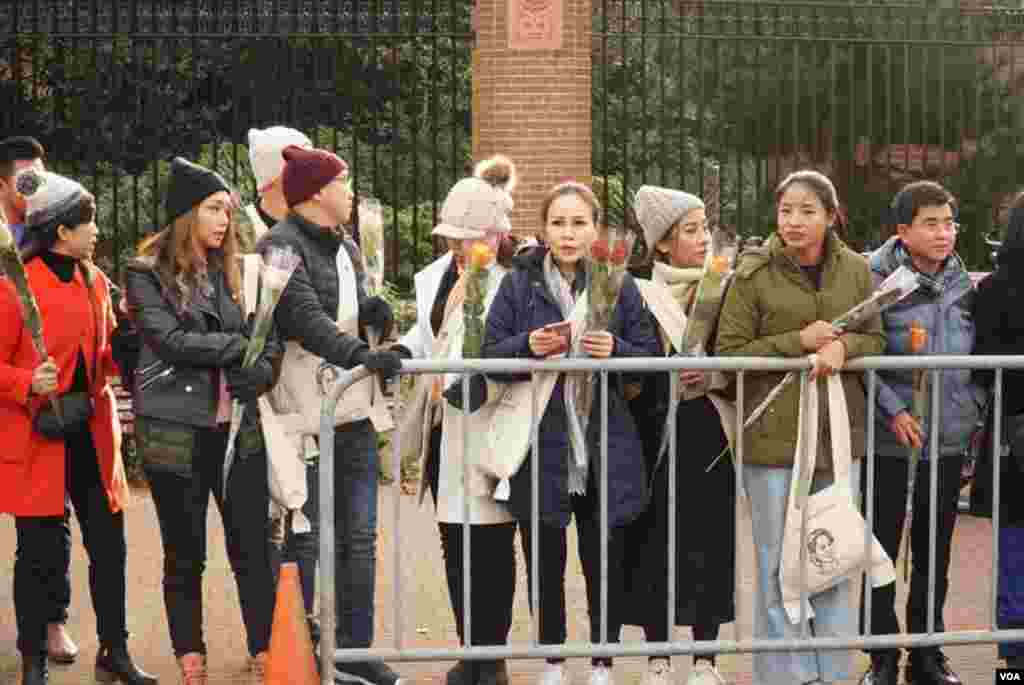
point(659, 209)
point(265, 147)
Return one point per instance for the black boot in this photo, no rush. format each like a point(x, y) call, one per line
point(34, 670)
point(930, 668)
point(492, 673)
point(885, 669)
point(462, 673)
point(113, 665)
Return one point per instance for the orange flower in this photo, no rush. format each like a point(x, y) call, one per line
point(719, 264)
point(480, 255)
point(918, 337)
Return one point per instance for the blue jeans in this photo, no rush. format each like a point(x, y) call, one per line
point(768, 489)
point(355, 521)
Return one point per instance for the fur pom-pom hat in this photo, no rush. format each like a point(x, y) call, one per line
point(48, 195)
point(481, 204)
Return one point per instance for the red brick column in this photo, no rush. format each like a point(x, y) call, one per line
point(533, 105)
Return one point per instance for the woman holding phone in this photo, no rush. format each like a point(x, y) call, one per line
point(529, 318)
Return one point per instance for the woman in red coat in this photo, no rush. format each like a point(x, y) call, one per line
point(80, 460)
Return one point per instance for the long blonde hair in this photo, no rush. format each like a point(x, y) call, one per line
point(178, 264)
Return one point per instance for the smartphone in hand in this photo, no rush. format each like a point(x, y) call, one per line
point(564, 330)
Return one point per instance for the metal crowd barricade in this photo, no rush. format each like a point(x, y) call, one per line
point(740, 365)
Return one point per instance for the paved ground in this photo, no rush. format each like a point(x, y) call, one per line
point(427, 619)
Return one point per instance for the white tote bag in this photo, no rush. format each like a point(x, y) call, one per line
point(286, 468)
point(828, 548)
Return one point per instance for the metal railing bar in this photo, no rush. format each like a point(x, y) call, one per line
point(719, 647)
point(869, 500)
point(997, 453)
point(657, 364)
point(933, 498)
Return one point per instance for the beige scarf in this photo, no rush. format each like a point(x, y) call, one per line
point(682, 283)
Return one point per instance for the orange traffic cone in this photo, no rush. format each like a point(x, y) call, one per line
point(290, 658)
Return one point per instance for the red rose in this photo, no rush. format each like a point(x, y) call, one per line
point(619, 253)
point(599, 250)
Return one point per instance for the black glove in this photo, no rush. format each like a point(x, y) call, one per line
point(402, 351)
point(376, 313)
point(384, 362)
point(477, 393)
point(247, 384)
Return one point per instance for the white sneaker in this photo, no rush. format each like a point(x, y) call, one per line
point(554, 674)
point(601, 675)
point(659, 672)
point(705, 673)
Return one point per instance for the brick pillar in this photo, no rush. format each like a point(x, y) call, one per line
point(533, 105)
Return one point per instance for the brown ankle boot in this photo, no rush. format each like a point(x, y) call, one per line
point(193, 669)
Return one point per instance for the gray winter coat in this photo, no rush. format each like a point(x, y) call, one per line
point(944, 309)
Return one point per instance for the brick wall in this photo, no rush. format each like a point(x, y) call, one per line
point(533, 105)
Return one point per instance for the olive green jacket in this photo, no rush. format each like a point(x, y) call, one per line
point(768, 303)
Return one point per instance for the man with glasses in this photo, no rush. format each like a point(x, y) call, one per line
point(924, 217)
point(323, 314)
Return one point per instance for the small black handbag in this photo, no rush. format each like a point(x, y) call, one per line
point(75, 408)
point(75, 411)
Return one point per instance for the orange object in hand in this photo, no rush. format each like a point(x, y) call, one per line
point(918, 337)
point(480, 255)
point(720, 264)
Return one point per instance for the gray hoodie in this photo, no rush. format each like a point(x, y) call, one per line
point(942, 306)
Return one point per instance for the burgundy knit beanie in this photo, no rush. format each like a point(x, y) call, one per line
point(307, 171)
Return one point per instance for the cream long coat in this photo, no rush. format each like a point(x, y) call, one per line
point(414, 428)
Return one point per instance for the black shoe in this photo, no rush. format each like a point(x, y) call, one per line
point(365, 673)
point(492, 673)
point(34, 670)
point(885, 669)
point(113, 665)
point(462, 673)
point(930, 668)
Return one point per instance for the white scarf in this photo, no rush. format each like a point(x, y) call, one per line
point(561, 290)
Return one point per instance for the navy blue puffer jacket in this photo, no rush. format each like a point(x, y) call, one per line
point(524, 303)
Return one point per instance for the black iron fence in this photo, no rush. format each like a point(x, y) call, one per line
point(115, 88)
point(873, 94)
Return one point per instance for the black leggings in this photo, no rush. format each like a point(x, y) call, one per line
point(551, 566)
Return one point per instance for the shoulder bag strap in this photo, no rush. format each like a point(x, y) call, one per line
point(839, 425)
point(806, 443)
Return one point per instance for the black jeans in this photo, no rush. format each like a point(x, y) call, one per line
point(181, 505)
point(43, 552)
point(890, 497)
point(551, 566)
point(492, 583)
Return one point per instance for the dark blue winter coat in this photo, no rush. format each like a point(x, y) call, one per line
point(524, 303)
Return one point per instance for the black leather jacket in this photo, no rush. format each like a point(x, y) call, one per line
point(177, 377)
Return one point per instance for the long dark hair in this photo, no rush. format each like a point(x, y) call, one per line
point(178, 264)
point(1011, 252)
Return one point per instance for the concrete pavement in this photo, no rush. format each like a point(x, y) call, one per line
point(427, 617)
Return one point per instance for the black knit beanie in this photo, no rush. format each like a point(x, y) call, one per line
point(189, 185)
